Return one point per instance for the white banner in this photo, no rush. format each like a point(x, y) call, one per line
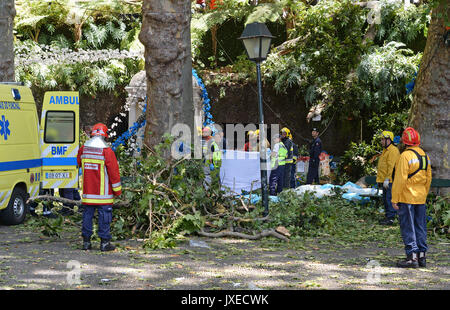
point(241, 171)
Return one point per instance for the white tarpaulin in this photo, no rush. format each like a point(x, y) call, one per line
point(240, 170)
point(353, 192)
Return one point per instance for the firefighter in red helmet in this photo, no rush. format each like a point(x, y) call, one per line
point(410, 188)
point(101, 183)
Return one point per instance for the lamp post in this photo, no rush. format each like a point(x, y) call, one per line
point(257, 38)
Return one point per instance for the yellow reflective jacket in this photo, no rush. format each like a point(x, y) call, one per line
point(413, 190)
point(216, 157)
point(386, 163)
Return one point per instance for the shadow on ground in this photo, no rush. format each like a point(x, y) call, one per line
point(30, 261)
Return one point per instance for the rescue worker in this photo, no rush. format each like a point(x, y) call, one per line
point(221, 140)
point(385, 168)
point(410, 188)
point(285, 134)
point(71, 194)
point(212, 157)
point(67, 193)
point(277, 164)
point(101, 182)
point(251, 143)
point(256, 148)
point(294, 162)
point(315, 148)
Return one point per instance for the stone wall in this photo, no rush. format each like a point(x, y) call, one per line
point(239, 105)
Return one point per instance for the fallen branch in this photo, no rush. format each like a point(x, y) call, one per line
point(264, 233)
point(248, 220)
point(66, 201)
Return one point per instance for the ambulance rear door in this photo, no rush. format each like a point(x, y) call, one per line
point(60, 139)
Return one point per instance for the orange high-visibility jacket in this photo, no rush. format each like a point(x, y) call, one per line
point(101, 176)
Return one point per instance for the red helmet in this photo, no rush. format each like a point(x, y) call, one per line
point(410, 137)
point(99, 130)
point(206, 131)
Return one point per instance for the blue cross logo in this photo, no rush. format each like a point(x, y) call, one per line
point(4, 130)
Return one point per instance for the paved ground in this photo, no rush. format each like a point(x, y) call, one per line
point(30, 261)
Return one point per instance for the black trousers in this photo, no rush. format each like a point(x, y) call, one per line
point(313, 172)
point(287, 176)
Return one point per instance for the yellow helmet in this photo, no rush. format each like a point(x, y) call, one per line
point(256, 133)
point(387, 134)
point(287, 131)
point(250, 133)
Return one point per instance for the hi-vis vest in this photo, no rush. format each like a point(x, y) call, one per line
point(101, 177)
point(216, 153)
point(291, 151)
point(281, 157)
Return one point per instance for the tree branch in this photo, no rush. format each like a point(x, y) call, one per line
point(118, 204)
point(264, 233)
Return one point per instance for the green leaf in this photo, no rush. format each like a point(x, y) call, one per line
point(266, 12)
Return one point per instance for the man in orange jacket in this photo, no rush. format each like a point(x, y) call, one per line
point(101, 182)
point(410, 188)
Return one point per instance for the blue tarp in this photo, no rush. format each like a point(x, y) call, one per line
point(256, 198)
point(353, 192)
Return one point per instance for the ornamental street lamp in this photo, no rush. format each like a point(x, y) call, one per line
point(257, 38)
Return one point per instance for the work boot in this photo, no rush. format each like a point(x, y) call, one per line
point(422, 260)
point(409, 262)
point(387, 221)
point(105, 245)
point(87, 243)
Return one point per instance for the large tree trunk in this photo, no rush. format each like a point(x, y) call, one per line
point(166, 36)
point(431, 97)
point(7, 13)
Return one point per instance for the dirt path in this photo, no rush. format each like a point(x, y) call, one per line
point(29, 261)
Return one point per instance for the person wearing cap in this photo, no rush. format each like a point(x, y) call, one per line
point(385, 168)
point(212, 157)
point(285, 134)
point(315, 148)
point(277, 164)
point(410, 188)
point(101, 183)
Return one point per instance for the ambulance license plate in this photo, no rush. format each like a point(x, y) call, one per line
point(57, 175)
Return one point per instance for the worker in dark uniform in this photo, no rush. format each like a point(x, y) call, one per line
point(315, 148)
point(285, 133)
point(294, 162)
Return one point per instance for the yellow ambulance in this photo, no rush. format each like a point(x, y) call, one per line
point(35, 155)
